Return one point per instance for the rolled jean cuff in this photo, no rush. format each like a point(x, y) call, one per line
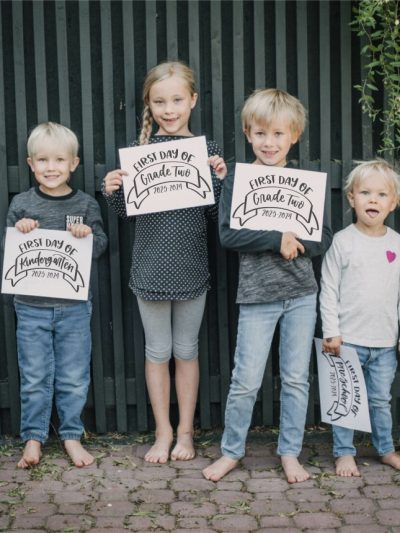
point(34, 436)
point(231, 455)
point(71, 436)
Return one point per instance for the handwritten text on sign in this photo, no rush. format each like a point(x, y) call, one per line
point(47, 263)
point(343, 395)
point(278, 198)
point(166, 176)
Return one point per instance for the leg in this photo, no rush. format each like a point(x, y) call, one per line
point(379, 373)
point(296, 335)
point(256, 328)
point(186, 322)
point(36, 366)
point(72, 346)
point(156, 319)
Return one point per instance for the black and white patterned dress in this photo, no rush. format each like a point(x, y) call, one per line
point(169, 255)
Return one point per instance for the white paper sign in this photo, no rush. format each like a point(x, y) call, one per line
point(342, 391)
point(165, 176)
point(47, 263)
point(278, 198)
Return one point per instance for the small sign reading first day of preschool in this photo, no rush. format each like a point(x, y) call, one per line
point(278, 198)
point(166, 175)
point(47, 263)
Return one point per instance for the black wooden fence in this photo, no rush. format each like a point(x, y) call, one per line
point(82, 63)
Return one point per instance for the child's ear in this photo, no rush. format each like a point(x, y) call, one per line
point(246, 131)
point(194, 100)
point(350, 197)
point(30, 163)
point(74, 164)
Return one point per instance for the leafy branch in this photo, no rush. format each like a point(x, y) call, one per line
point(377, 21)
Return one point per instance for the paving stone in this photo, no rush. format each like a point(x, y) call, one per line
point(316, 521)
point(349, 505)
point(360, 519)
point(385, 518)
point(151, 523)
point(110, 522)
point(192, 484)
point(190, 509)
point(266, 485)
point(196, 522)
point(276, 522)
point(222, 497)
point(153, 496)
point(114, 495)
point(382, 491)
point(235, 523)
point(72, 508)
point(63, 522)
point(228, 485)
point(111, 509)
point(194, 496)
point(307, 495)
point(151, 472)
point(365, 529)
point(73, 497)
point(280, 507)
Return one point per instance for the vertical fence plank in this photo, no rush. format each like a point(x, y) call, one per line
point(62, 63)
point(129, 71)
point(281, 55)
point(88, 157)
point(172, 31)
point(115, 267)
point(346, 89)
point(194, 60)
point(302, 77)
point(151, 33)
point(259, 44)
point(40, 61)
point(238, 77)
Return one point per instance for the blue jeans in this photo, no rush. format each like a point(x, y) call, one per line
point(257, 323)
point(54, 349)
point(379, 367)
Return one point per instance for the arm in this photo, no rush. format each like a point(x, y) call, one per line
point(218, 172)
point(330, 297)
point(95, 223)
point(243, 240)
point(313, 248)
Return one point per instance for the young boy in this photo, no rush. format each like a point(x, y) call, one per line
point(360, 289)
point(53, 335)
point(276, 285)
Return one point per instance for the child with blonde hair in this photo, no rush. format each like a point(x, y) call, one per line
point(53, 334)
point(169, 273)
point(360, 301)
point(276, 285)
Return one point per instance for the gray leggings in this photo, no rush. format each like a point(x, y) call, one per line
point(171, 327)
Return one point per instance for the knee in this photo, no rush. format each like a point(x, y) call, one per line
point(158, 356)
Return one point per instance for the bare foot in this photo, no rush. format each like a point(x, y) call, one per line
point(346, 466)
point(31, 455)
point(159, 452)
point(294, 471)
point(220, 468)
point(183, 449)
point(391, 459)
point(77, 453)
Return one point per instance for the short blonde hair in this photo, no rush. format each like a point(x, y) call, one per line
point(161, 72)
point(378, 167)
point(266, 105)
point(51, 131)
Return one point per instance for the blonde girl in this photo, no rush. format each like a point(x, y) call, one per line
point(169, 273)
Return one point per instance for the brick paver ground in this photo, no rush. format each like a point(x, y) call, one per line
point(121, 492)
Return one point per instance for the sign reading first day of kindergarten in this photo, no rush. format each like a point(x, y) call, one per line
point(47, 263)
point(166, 175)
point(278, 198)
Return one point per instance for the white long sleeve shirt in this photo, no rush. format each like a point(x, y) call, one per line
point(360, 288)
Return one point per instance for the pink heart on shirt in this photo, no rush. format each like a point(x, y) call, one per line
point(391, 256)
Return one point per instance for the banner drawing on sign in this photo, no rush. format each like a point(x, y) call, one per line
point(183, 173)
point(47, 263)
point(167, 175)
point(343, 394)
point(281, 199)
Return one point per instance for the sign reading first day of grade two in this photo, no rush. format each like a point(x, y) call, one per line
point(47, 263)
point(278, 198)
point(166, 175)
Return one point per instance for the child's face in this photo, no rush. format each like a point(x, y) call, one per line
point(271, 143)
point(372, 198)
point(170, 104)
point(52, 166)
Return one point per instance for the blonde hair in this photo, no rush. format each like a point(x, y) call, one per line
point(162, 72)
point(265, 105)
point(378, 167)
point(51, 131)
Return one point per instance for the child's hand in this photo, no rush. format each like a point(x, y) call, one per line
point(219, 166)
point(113, 180)
point(80, 230)
point(332, 345)
point(290, 246)
point(25, 225)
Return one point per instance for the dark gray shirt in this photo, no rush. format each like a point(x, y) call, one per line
point(264, 275)
point(169, 255)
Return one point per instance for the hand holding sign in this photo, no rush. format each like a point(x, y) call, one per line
point(165, 176)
